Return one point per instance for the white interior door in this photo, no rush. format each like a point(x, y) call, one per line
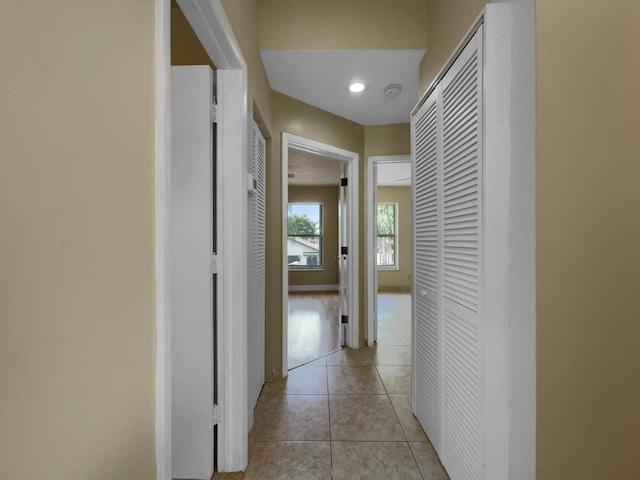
point(257, 151)
point(343, 256)
point(374, 246)
point(193, 278)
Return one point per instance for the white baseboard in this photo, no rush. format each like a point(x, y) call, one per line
point(314, 288)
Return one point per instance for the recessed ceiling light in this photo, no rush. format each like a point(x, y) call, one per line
point(356, 87)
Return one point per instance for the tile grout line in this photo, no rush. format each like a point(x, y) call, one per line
point(406, 438)
point(416, 460)
point(401, 426)
point(326, 370)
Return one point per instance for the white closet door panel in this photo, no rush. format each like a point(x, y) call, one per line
point(426, 193)
point(462, 152)
point(462, 218)
point(462, 428)
point(427, 365)
point(256, 264)
point(427, 270)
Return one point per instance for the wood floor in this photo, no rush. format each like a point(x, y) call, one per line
point(313, 326)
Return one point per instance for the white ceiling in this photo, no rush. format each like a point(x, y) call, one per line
point(394, 174)
point(320, 78)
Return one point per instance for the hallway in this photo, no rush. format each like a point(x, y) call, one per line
point(346, 415)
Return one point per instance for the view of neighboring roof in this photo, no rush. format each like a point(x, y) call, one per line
point(314, 244)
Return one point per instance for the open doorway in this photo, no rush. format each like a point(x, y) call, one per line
point(389, 263)
point(312, 256)
point(319, 250)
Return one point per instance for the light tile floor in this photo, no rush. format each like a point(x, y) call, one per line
point(345, 416)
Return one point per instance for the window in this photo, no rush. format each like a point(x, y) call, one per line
point(304, 245)
point(386, 228)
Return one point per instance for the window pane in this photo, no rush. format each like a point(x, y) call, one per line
point(386, 235)
point(304, 219)
point(304, 244)
point(386, 219)
point(304, 251)
point(386, 252)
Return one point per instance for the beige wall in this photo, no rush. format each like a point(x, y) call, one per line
point(292, 116)
point(328, 196)
point(343, 24)
point(243, 18)
point(387, 139)
point(393, 280)
point(186, 49)
point(448, 21)
point(588, 179)
point(77, 320)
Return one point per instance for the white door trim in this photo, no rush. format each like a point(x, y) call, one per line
point(208, 20)
point(353, 161)
point(372, 278)
point(162, 234)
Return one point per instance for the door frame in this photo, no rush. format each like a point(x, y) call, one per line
point(209, 22)
point(372, 273)
point(352, 159)
point(510, 253)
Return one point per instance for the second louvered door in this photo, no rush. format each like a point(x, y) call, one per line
point(256, 262)
point(427, 248)
point(461, 93)
point(448, 156)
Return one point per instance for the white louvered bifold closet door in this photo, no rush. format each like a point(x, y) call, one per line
point(448, 152)
point(461, 91)
point(427, 268)
point(257, 152)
